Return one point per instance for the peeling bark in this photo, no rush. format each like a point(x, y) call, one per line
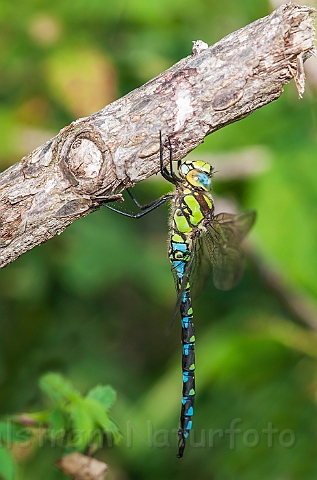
point(97, 157)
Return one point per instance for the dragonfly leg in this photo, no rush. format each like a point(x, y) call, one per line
point(141, 207)
point(156, 203)
point(173, 175)
point(169, 176)
point(145, 209)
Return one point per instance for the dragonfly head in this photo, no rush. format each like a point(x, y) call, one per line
point(197, 173)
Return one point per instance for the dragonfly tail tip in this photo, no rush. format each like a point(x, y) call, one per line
point(181, 447)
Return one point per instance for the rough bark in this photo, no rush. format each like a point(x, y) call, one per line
point(100, 155)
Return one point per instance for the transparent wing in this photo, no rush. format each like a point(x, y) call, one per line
point(221, 243)
point(200, 268)
point(235, 226)
point(218, 248)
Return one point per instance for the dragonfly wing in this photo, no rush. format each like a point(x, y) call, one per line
point(221, 239)
point(236, 226)
point(227, 266)
point(200, 269)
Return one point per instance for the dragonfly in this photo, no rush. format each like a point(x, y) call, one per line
point(199, 241)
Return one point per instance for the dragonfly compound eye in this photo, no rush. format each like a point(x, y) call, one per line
point(199, 179)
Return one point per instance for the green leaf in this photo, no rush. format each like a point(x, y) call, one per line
point(98, 413)
point(83, 425)
point(103, 394)
point(57, 420)
point(114, 429)
point(7, 466)
point(58, 388)
point(102, 419)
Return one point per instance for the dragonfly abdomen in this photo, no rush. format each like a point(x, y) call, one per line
point(188, 369)
point(180, 255)
point(190, 208)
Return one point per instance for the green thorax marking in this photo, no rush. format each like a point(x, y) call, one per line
point(190, 210)
point(194, 206)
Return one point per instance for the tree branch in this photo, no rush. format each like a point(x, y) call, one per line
point(100, 155)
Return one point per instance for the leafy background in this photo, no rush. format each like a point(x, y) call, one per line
point(93, 304)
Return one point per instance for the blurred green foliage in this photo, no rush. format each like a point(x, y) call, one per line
point(72, 422)
point(94, 303)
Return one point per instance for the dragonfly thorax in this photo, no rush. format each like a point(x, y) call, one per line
point(197, 173)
